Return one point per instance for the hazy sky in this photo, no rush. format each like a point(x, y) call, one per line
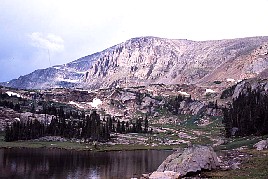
point(31, 31)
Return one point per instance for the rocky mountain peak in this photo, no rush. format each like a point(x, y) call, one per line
point(151, 60)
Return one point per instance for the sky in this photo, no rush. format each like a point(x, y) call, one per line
point(36, 34)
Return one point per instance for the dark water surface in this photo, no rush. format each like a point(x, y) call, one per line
point(56, 163)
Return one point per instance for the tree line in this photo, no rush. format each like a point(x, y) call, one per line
point(73, 124)
point(91, 129)
point(10, 104)
point(139, 126)
point(248, 114)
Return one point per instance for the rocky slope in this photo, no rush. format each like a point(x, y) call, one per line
point(151, 60)
point(67, 75)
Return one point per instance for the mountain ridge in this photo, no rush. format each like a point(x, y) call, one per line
point(152, 60)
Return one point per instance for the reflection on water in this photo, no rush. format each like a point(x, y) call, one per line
point(55, 163)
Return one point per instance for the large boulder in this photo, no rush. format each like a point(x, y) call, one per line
point(192, 159)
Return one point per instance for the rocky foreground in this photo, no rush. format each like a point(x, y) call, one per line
point(190, 162)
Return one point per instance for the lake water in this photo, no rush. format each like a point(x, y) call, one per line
point(56, 163)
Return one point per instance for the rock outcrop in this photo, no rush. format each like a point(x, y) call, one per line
point(8, 116)
point(263, 144)
point(191, 160)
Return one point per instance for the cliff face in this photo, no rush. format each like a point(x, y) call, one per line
point(148, 60)
point(151, 60)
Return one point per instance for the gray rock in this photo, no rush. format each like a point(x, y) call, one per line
point(145, 176)
point(194, 107)
point(263, 144)
point(192, 159)
point(234, 130)
point(219, 142)
point(51, 139)
point(156, 114)
point(235, 166)
point(165, 175)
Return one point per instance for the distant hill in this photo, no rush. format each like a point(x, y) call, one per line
point(152, 60)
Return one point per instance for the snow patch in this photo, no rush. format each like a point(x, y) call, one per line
point(10, 93)
point(80, 72)
point(76, 104)
point(95, 103)
point(68, 80)
point(184, 93)
point(230, 80)
point(57, 67)
point(17, 119)
point(210, 91)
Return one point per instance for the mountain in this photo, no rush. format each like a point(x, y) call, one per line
point(67, 75)
point(152, 60)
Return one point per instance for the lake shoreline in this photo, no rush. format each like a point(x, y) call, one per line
point(81, 147)
point(68, 144)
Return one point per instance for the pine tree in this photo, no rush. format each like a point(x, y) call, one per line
point(33, 108)
point(118, 127)
point(146, 125)
point(17, 107)
point(127, 127)
point(138, 126)
point(123, 129)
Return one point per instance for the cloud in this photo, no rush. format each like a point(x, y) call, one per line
point(49, 41)
point(82, 27)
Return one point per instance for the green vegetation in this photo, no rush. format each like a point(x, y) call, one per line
point(59, 145)
point(136, 147)
point(254, 167)
point(88, 127)
point(80, 146)
point(234, 143)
